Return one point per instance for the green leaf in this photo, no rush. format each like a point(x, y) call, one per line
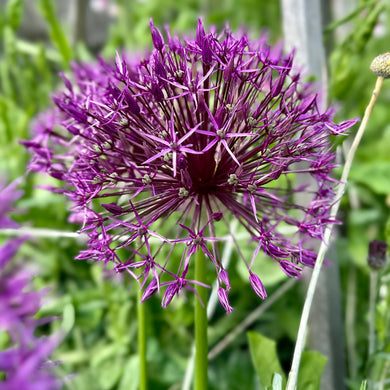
point(366, 28)
point(375, 175)
point(118, 318)
point(363, 386)
point(68, 318)
point(355, 13)
point(104, 352)
point(2, 23)
point(130, 378)
point(5, 122)
point(9, 40)
point(108, 374)
point(58, 37)
point(346, 81)
point(310, 372)
point(264, 358)
point(277, 382)
point(14, 13)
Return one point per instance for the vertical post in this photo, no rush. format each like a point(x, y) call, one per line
point(78, 11)
point(303, 28)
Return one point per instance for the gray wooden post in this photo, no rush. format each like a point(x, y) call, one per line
point(81, 22)
point(302, 28)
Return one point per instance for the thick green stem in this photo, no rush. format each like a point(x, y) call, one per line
point(143, 383)
point(201, 344)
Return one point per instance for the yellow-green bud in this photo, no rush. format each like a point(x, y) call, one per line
point(381, 65)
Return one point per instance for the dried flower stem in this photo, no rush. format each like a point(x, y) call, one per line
point(371, 324)
point(351, 297)
point(143, 384)
point(384, 375)
point(201, 344)
point(41, 232)
point(371, 320)
point(350, 318)
point(293, 375)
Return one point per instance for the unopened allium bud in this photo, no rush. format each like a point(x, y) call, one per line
point(380, 65)
point(376, 258)
point(224, 300)
point(224, 276)
point(200, 132)
point(157, 38)
point(257, 285)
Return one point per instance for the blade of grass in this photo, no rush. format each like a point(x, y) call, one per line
point(58, 37)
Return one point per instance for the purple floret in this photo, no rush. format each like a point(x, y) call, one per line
point(8, 195)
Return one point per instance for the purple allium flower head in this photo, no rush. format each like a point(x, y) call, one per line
point(8, 195)
point(158, 157)
point(24, 362)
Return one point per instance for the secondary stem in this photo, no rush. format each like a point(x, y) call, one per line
point(293, 375)
point(143, 383)
point(201, 344)
point(373, 292)
point(350, 319)
point(371, 322)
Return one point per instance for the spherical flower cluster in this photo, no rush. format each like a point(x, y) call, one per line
point(24, 363)
point(159, 157)
point(380, 65)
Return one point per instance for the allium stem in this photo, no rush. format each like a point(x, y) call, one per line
point(293, 375)
point(201, 344)
point(143, 383)
point(212, 301)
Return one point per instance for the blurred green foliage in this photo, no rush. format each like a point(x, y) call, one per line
point(131, 29)
point(97, 309)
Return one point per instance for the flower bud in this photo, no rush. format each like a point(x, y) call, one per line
point(257, 286)
point(376, 258)
point(223, 298)
point(157, 38)
point(150, 290)
point(381, 65)
point(224, 276)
